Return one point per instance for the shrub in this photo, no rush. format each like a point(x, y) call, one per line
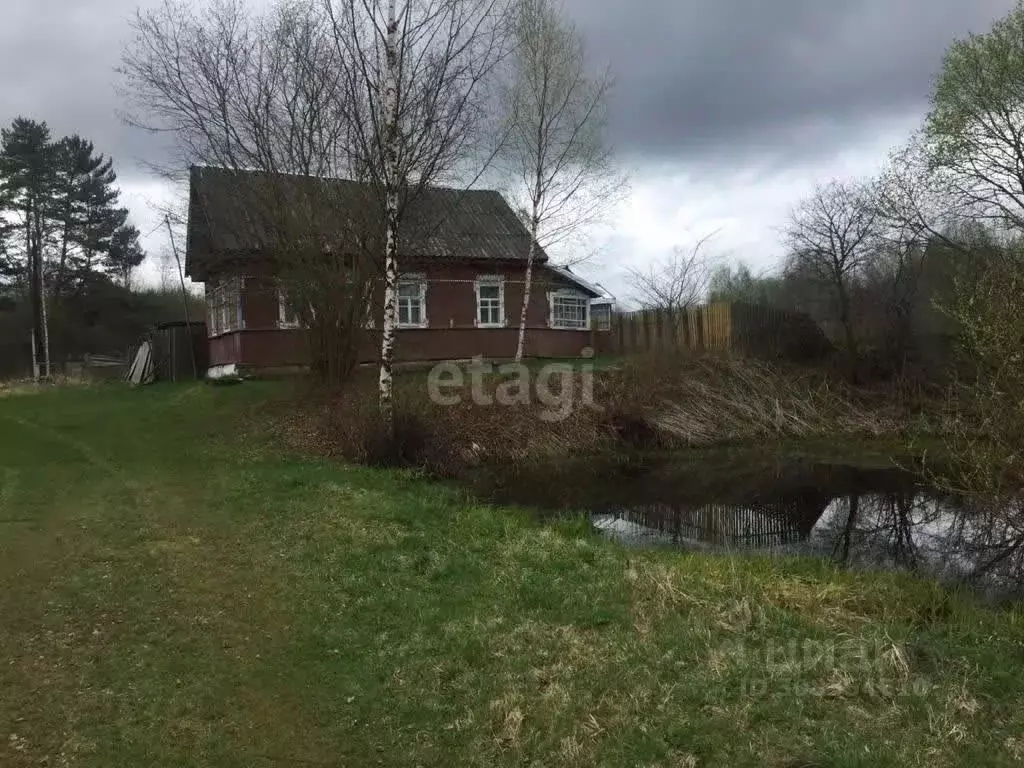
point(406, 445)
point(651, 403)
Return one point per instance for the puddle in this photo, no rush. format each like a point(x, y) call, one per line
point(863, 517)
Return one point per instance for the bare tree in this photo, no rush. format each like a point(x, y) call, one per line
point(562, 167)
point(256, 95)
point(916, 200)
point(388, 94)
point(416, 82)
point(675, 283)
point(831, 235)
point(915, 211)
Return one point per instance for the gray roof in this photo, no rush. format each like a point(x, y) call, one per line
point(596, 293)
point(239, 214)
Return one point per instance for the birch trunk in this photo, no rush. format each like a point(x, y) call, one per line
point(387, 342)
point(35, 250)
point(46, 325)
point(35, 358)
point(527, 285)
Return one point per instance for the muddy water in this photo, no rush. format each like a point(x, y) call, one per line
point(861, 516)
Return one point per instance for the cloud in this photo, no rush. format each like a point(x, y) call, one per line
point(57, 64)
point(677, 204)
point(725, 110)
point(724, 81)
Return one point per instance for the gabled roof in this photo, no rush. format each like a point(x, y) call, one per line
point(584, 285)
point(239, 214)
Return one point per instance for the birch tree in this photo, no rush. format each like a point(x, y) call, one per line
point(389, 93)
point(555, 149)
point(417, 80)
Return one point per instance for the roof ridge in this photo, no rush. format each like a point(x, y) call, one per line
point(263, 172)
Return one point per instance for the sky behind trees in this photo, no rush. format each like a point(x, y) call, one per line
point(725, 112)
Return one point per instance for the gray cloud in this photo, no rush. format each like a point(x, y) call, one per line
point(727, 82)
point(57, 62)
point(734, 80)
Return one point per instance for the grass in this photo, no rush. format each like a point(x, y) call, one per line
point(647, 403)
point(178, 591)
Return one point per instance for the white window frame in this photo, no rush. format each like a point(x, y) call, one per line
point(420, 281)
point(285, 324)
point(606, 312)
point(224, 306)
point(282, 312)
point(566, 293)
point(490, 281)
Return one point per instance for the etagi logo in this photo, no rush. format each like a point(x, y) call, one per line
point(553, 386)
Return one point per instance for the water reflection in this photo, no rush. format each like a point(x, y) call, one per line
point(863, 518)
point(948, 538)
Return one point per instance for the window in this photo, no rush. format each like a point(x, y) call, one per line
point(287, 313)
point(412, 302)
point(569, 310)
point(490, 302)
point(224, 305)
point(601, 316)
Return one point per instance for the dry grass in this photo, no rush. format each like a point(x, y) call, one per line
point(714, 401)
point(18, 387)
point(648, 403)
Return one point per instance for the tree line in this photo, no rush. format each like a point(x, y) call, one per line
point(919, 270)
point(61, 227)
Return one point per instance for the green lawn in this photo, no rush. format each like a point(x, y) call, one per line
point(174, 592)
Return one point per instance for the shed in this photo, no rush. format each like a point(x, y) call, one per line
point(180, 351)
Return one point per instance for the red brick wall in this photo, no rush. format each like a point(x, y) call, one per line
point(451, 316)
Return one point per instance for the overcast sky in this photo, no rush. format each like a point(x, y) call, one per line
point(725, 112)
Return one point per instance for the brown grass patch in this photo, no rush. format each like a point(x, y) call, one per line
point(648, 403)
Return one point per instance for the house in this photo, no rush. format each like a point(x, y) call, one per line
point(462, 262)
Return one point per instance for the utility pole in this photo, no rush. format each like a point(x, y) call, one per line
point(184, 297)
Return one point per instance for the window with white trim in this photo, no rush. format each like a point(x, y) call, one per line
point(288, 315)
point(569, 310)
point(224, 305)
point(412, 302)
point(287, 312)
point(601, 316)
point(490, 301)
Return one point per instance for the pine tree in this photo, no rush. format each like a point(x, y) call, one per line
point(9, 269)
point(27, 181)
point(85, 209)
point(124, 254)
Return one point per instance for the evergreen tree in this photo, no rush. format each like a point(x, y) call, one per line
point(62, 232)
point(9, 270)
point(85, 209)
point(27, 181)
point(124, 254)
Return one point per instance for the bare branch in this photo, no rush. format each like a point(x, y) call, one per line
point(677, 282)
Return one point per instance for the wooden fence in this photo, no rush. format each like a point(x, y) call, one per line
point(743, 526)
point(746, 329)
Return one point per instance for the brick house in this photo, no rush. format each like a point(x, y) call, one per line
point(460, 291)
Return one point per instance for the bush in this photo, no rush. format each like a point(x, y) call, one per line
point(653, 403)
point(406, 445)
point(984, 429)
